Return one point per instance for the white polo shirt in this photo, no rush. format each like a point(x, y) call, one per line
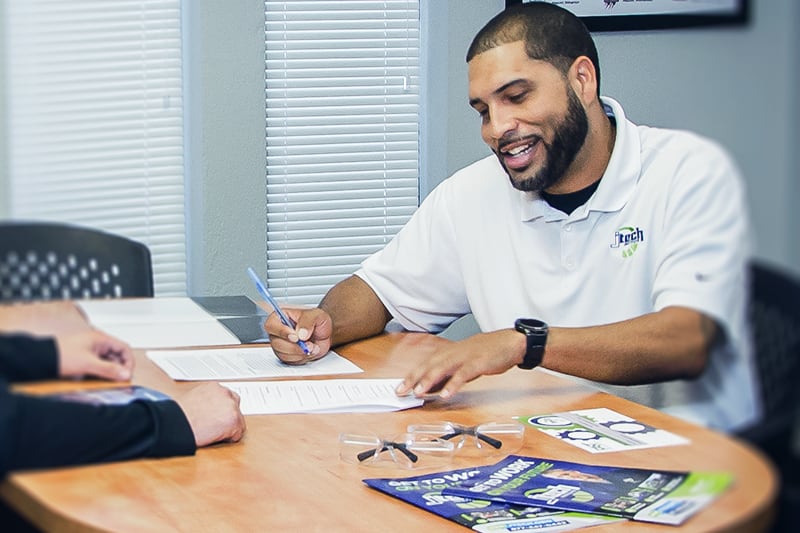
point(667, 226)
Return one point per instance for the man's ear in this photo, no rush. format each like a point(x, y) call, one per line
point(583, 77)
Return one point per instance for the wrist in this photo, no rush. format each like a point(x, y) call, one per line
point(534, 332)
point(519, 346)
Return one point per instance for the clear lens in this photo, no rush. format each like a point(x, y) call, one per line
point(406, 450)
point(493, 438)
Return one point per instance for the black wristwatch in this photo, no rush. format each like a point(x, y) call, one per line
point(535, 338)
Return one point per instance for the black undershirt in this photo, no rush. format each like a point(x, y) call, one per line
point(570, 201)
point(567, 203)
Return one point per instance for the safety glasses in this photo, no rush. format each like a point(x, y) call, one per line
point(434, 444)
point(406, 450)
point(492, 438)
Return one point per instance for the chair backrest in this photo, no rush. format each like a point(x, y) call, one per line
point(45, 261)
point(775, 318)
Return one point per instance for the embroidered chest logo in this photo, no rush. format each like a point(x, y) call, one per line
point(627, 239)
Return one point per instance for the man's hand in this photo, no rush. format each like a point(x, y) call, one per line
point(351, 307)
point(213, 413)
point(314, 327)
point(94, 353)
point(458, 363)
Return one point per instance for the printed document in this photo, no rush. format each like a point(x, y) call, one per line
point(242, 363)
point(321, 396)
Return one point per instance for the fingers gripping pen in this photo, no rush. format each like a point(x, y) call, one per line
point(262, 289)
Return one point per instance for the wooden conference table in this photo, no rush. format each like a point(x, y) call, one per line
point(285, 475)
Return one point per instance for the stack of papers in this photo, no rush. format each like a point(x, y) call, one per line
point(157, 322)
point(181, 322)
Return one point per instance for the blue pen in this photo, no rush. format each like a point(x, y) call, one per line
point(271, 301)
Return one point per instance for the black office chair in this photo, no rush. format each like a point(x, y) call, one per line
point(51, 261)
point(775, 318)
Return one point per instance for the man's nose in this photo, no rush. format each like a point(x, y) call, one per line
point(501, 123)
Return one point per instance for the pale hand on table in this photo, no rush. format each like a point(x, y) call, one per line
point(213, 413)
point(94, 353)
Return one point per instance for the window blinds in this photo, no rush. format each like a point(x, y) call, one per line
point(342, 108)
point(95, 121)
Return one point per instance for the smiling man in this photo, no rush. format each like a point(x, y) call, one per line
point(586, 244)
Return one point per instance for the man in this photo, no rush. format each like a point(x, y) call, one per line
point(626, 240)
point(37, 432)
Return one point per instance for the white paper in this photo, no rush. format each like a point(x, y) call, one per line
point(242, 363)
point(157, 322)
point(602, 430)
point(321, 396)
point(137, 310)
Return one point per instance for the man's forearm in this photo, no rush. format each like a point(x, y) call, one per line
point(671, 344)
point(356, 311)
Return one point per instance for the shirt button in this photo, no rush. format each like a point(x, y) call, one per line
point(567, 228)
point(569, 263)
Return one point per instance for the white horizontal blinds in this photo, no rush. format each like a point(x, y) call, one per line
point(342, 99)
point(95, 121)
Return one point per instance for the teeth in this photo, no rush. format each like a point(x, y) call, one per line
point(518, 150)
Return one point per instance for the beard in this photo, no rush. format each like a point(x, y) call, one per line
point(568, 139)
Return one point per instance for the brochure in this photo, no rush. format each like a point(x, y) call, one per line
point(425, 492)
point(658, 496)
point(602, 430)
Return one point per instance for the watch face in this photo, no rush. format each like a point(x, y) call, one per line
point(532, 325)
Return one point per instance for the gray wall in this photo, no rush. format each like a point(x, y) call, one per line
point(4, 204)
point(225, 149)
point(734, 85)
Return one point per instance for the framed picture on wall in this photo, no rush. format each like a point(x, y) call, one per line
point(631, 15)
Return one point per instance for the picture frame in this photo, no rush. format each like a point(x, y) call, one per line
point(635, 15)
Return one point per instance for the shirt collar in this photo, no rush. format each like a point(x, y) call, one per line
point(618, 180)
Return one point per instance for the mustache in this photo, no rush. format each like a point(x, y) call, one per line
point(516, 139)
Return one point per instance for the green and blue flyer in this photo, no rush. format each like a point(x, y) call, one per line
point(664, 497)
point(481, 515)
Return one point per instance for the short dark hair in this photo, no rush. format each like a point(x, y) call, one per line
point(550, 33)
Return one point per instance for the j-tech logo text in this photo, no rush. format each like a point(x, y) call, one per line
point(627, 239)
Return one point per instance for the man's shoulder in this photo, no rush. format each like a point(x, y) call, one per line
point(678, 142)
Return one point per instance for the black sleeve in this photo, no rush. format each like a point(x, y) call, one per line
point(26, 358)
point(45, 433)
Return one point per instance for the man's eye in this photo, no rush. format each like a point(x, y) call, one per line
point(517, 98)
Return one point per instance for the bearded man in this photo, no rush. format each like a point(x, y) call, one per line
point(587, 245)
